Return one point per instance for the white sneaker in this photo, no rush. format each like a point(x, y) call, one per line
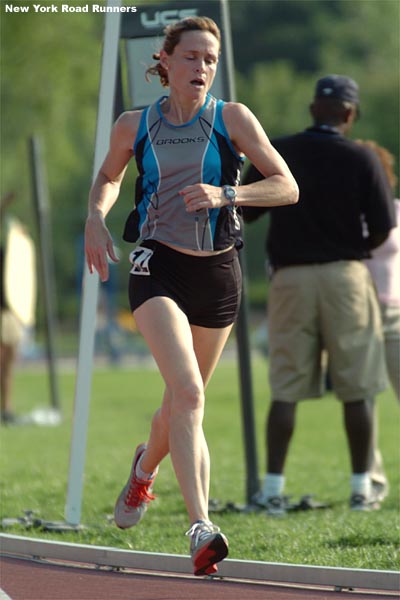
point(362, 503)
point(134, 499)
point(380, 489)
point(207, 547)
point(276, 506)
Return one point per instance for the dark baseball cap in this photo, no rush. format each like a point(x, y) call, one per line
point(339, 87)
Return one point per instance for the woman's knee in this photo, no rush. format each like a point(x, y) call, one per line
point(188, 396)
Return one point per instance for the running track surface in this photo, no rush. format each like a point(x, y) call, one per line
point(23, 579)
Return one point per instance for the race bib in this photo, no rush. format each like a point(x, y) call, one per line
point(140, 258)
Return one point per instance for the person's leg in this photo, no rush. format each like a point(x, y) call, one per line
point(280, 427)
point(207, 358)
point(392, 353)
point(358, 427)
point(278, 433)
point(186, 363)
point(376, 469)
point(294, 371)
point(352, 332)
point(11, 336)
point(8, 358)
point(390, 316)
point(391, 331)
point(279, 430)
point(207, 544)
point(158, 442)
point(208, 345)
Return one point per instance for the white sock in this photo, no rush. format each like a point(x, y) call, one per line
point(361, 484)
point(140, 474)
point(273, 485)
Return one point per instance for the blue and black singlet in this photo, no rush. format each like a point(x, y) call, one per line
point(170, 157)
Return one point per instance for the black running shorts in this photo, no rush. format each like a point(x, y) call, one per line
point(206, 288)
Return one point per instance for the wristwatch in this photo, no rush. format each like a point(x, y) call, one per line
point(229, 194)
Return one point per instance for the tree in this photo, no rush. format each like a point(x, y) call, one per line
point(50, 67)
point(49, 87)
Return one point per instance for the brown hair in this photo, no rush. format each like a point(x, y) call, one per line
point(385, 157)
point(173, 35)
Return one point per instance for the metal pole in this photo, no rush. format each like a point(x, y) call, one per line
point(246, 387)
point(41, 204)
point(242, 327)
point(91, 282)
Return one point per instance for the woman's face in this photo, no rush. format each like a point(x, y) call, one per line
point(193, 64)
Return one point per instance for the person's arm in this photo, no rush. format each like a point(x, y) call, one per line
point(252, 213)
point(278, 186)
point(104, 193)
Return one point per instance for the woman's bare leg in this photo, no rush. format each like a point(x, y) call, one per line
point(186, 357)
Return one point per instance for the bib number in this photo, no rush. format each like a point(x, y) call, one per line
point(140, 258)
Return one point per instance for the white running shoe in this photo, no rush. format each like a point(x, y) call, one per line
point(134, 499)
point(207, 547)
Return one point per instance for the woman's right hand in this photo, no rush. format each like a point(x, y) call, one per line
point(98, 245)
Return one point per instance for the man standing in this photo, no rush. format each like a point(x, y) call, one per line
point(321, 295)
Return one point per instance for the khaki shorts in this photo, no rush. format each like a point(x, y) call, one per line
point(330, 306)
point(12, 329)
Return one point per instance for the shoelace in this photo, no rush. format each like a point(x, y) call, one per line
point(138, 493)
point(201, 530)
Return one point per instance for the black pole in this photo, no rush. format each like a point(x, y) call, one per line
point(41, 206)
point(242, 327)
point(246, 387)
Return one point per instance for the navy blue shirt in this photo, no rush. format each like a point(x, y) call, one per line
point(342, 184)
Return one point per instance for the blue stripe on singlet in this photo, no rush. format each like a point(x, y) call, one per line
point(211, 172)
point(149, 165)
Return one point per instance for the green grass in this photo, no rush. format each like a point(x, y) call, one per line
point(35, 465)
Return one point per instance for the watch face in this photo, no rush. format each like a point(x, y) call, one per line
point(229, 192)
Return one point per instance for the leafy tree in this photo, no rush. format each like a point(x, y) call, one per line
point(50, 67)
point(359, 38)
point(316, 38)
point(49, 87)
point(280, 30)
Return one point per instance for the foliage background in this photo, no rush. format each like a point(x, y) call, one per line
point(49, 87)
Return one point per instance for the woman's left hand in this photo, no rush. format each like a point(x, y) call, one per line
point(202, 195)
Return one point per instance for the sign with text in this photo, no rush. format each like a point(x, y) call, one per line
point(143, 33)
